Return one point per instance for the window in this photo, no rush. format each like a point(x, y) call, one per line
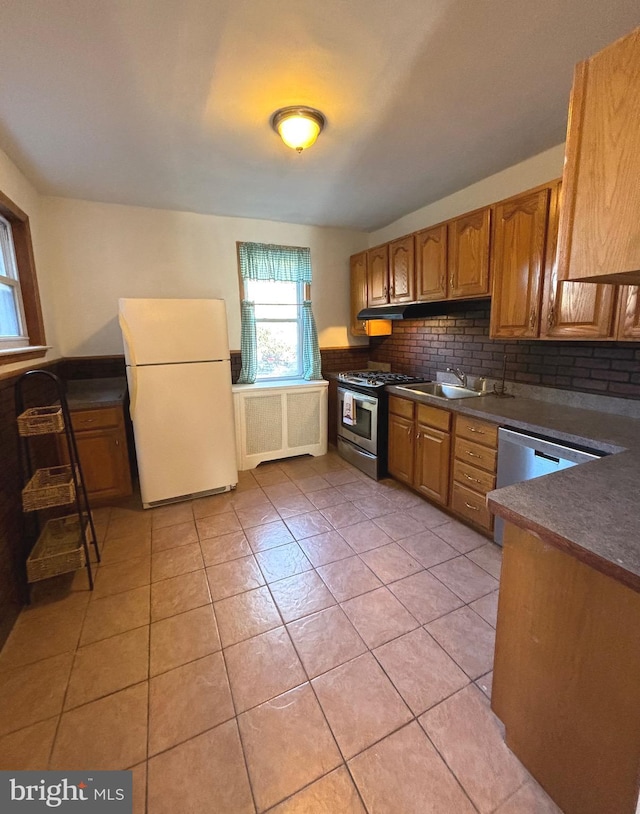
point(278, 327)
point(21, 326)
point(279, 338)
point(13, 333)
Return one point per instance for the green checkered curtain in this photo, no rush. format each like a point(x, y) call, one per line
point(311, 362)
point(266, 261)
point(248, 344)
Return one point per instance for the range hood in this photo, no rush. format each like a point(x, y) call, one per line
point(416, 310)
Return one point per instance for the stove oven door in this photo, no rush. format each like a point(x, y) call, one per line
point(364, 430)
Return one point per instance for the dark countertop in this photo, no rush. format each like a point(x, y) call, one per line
point(88, 394)
point(591, 510)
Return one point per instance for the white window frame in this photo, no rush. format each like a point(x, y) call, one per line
point(301, 295)
point(12, 279)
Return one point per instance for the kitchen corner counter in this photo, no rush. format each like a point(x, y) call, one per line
point(591, 510)
point(87, 394)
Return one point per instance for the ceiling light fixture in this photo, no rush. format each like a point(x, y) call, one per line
point(297, 126)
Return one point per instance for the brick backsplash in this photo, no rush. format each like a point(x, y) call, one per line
point(424, 347)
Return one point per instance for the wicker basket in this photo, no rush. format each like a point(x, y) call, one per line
point(52, 486)
point(41, 421)
point(58, 550)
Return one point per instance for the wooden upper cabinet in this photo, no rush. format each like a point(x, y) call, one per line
point(599, 223)
point(378, 275)
point(468, 261)
point(518, 257)
point(629, 313)
point(431, 263)
point(574, 310)
point(401, 270)
point(358, 265)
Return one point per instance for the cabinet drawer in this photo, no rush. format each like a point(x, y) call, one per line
point(95, 419)
point(475, 454)
point(476, 430)
point(472, 506)
point(473, 478)
point(401, 407)
point(434, 417)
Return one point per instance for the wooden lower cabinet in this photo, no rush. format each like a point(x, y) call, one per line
point(103, 452)
point(565, 681)
point(455, 471)
point(474, 470)
point(401, 448)
point(420, 447)
point(433, 450)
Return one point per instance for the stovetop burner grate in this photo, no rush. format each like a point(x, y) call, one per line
point(376, 378)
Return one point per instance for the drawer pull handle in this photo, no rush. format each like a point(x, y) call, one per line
point(473, 454)
point(87, 420)
point(468, 477)
point(473, 429)
point(471, 506)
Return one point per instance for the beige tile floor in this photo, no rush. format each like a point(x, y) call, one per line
point(313, 643)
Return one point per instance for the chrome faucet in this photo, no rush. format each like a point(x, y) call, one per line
point(458, 374)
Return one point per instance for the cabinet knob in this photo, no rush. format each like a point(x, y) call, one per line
point(451, 281)
point(117, 442)
point(532, 318)
point(551, 319)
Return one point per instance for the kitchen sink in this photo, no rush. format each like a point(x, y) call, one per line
point(441, 390)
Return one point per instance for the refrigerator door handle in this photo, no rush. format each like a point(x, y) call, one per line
point(126, 335)
point(133, 388)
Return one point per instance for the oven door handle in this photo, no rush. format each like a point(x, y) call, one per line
point(358, 396)
point(360, 451)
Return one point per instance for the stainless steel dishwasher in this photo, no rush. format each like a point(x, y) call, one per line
point(524, 457)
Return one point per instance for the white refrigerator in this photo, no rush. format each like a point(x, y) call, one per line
point(179, 375)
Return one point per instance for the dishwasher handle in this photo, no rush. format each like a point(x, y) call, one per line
point(546, 457)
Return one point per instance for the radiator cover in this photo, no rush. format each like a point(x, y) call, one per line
point(279, 420)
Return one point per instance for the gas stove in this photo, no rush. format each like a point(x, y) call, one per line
point(363, 422)
point(374, 379)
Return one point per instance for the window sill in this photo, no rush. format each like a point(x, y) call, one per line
point(281, 384)
point(9, 355)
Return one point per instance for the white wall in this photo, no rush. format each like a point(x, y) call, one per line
point(16, 187)
point(537, 170)
point(100, 252)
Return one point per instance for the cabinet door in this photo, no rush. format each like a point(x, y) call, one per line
point(431, 263)
point(401, 447)
point(432, 463)
point(401, 270)
point(358, 264)
point(102, 449)
point(519, 240)
point(378, 275)
point(599, 224)
point(573, 310)
point(468, 259)
point(104, 463)
point(629, 313)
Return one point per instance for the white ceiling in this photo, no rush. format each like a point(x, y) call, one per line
point(166, 103)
